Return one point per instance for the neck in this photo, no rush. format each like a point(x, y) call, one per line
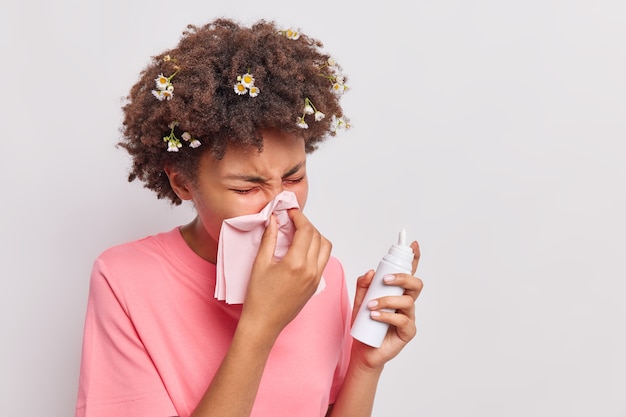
point(197, 238)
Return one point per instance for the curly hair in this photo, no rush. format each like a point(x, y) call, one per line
point(205, 64)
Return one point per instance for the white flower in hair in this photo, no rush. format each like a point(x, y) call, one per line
point(338, 123)
point(309, 108)
point(162, 82)
point(163, 94)
point(173, 145)
point(301, 123)
point(339, 88)
point(164, 88)
point(246, 79)
point(334, 124)
point(240, 89)
point(245, 84)
point(158, 94)
point(290, 33)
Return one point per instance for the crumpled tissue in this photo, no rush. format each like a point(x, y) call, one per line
point(238, 245)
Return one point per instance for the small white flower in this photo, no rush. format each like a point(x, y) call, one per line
point(254, 91)
point(170, 88)
point(319, 116)
point(339, 89)
point(292, 34)
point(339, 78)
point(173, 145)
point(240, 89)
point(158, 94)
point(308, 109)
point(194, 143)
point(162, 82)
point(338, 123)
point(166, 95)
point(334, 124)
point(246, 79)
point(301, 123)
point(331, 61)
point(186, 136)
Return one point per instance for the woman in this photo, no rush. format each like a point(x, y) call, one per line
point(225, 120)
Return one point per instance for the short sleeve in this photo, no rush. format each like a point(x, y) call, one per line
point(117, 375)
point(344, 359)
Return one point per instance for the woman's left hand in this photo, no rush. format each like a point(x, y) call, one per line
point(402, 321)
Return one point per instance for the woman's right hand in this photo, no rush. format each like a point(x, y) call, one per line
point(278, 290)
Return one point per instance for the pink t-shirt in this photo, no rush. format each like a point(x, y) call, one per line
point(155, 336)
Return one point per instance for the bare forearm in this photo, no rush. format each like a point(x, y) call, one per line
point(234, 388)
point(356, 398)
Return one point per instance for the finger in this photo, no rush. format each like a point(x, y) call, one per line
point(402, 304)
point(362, 284)
point(412, 285)
point(404, 325)
point(297, 217)
point(416, 256)
point(302, 237)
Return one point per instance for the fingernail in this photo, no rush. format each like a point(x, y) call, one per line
point(389, 278)
point(372, 303)
point(375, 313)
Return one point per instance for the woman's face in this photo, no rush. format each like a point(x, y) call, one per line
point(243, 182)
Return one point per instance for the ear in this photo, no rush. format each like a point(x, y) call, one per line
point(178, 183)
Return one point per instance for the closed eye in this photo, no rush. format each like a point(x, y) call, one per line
point(294, 180)
point(244, 191)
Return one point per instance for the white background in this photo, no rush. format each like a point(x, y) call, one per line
point(492, 130)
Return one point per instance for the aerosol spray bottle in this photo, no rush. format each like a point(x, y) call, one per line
point(398, 260)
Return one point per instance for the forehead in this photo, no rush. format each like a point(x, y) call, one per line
point(281, 151)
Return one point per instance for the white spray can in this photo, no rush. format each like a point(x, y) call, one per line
point(399, 259)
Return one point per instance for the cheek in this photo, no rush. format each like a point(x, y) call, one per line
point(210, 216)
point(301, 191)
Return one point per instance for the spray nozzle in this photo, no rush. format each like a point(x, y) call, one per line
point(402, 237)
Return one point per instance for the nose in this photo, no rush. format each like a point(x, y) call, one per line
point(271, 193)
point(275, 190)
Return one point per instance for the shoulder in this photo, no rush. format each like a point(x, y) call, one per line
point(134, 259)
point(129, 271)
point(140, 251)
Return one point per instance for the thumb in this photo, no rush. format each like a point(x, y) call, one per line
point(268, 240)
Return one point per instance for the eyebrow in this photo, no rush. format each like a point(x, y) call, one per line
point(258, 179)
